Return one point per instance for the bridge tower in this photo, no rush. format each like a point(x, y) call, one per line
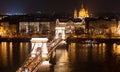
point(59, 30)
point(39, 46)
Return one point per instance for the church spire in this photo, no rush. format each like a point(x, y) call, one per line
point(82, 6)
point(75, 13)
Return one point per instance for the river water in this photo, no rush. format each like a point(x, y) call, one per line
point(12, 55)
point(74, 57)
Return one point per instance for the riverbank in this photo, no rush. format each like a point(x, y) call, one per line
point(97, 40)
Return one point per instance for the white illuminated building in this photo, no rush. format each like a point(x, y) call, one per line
point(68, 26)
point(33, 27)
point(80, 24)
point(29, 27)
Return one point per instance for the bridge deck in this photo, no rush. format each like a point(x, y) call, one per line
point(32, 64)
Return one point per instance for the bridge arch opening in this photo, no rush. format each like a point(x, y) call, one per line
point(39, 45)
point(60, 32)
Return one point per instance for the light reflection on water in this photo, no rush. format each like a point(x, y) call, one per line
point(3, 52)
point(77, 58)
point(116, 49)
point(88, 58)
point(62, 61)
point(12, 55)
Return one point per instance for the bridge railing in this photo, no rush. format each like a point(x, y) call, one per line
point(29, 59)
point(53, 46)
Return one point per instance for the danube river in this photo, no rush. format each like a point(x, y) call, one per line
point(12, 55)
point(74, 57)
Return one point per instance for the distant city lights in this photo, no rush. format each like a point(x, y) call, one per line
point(15, 13)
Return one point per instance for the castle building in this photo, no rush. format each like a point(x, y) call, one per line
point(82, 13)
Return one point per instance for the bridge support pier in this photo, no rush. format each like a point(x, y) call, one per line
point(39, 46)
point(44, 50)
point(53, 58)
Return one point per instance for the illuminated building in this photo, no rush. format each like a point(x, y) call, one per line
point(1, 30)
point(82, 13)
point(0, 18)
point(34, 27)
point(103, 27)
point(4, 28)
point(75, 13)
point(70, 25)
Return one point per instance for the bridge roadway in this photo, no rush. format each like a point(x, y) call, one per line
point(32, 64)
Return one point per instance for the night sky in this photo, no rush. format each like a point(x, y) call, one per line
point(28, 6)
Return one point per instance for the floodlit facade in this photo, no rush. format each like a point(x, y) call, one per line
point(34, 27)
point(6, 29)
point(104, 27)
point(82, 13)
point(70, 25)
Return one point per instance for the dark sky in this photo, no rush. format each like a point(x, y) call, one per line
point(27, 6)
